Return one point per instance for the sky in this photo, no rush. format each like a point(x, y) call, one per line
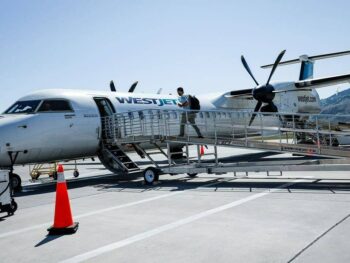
point(195, 44)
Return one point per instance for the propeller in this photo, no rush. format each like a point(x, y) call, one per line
point(131, 89)
point(263, 93)
point(111, 85)
point(133, 86)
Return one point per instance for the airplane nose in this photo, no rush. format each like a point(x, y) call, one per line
point(11, 136)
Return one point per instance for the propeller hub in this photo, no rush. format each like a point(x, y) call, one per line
point(264, 93)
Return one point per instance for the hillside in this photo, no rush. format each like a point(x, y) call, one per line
point(337, 104)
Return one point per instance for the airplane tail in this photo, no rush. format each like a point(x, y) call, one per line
point(307, 63)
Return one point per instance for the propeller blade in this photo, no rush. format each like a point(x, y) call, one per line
point(257, 108)
point(245, 64)
point(133, 86)
point(111, 85)
point(278, 60)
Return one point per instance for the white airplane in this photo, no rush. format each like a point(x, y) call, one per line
point(52, 125)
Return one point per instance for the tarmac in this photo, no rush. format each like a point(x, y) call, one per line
point(296, 217)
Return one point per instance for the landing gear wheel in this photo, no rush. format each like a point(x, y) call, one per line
point(150, 175)
point(76, 173)
point(36, 175)
point(16, 182)
point(192, 175)
point(12, 209)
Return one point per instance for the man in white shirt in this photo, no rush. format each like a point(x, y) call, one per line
point(184, 102)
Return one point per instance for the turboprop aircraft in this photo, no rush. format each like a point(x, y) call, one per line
point(62, 124)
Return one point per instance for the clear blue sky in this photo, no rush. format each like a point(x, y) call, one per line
point(163, 44)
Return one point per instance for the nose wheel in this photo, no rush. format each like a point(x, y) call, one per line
point(16, 182)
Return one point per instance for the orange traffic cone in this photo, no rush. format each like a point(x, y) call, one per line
point(63, 221)
point(202, 150)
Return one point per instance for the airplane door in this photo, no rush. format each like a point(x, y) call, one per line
point(106, 109)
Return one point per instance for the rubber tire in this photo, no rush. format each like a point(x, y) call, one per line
point(36, 176)
point(16, 182)
point(13, 208)
point(192, 175)
point(150, 175)
point(76, 173)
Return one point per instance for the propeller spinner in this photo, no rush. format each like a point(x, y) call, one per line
point(263, 93)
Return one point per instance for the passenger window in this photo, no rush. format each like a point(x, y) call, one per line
point(55, 105)
point(207, 114)
point(201, 115)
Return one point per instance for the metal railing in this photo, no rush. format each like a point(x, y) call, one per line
point(230, 127)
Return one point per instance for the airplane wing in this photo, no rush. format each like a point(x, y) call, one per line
point(312, 58)
point(300, 85)
point(322, 82)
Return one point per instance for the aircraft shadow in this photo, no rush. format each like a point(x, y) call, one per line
point(111, 182)
point(249, 157)
point(227, 184)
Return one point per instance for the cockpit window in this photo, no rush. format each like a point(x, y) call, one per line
point(23, 107)
point(55, 105)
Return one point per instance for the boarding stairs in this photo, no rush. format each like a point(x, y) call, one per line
point(304, 134)
point(119, 158)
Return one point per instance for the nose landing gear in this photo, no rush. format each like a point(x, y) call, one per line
point(15, 180)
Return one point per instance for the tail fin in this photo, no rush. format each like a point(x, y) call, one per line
point(307, 63)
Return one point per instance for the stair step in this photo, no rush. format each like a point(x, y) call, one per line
point(134, 169)
point(131, 167)
point(116, 153)
point(121, 158)
point(150, 153)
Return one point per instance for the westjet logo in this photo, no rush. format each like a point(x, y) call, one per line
point(158, 102)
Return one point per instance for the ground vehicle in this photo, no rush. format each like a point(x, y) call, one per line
point(7, 202)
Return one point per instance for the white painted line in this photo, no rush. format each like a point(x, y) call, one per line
point(47, 224)
point(128, 241)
